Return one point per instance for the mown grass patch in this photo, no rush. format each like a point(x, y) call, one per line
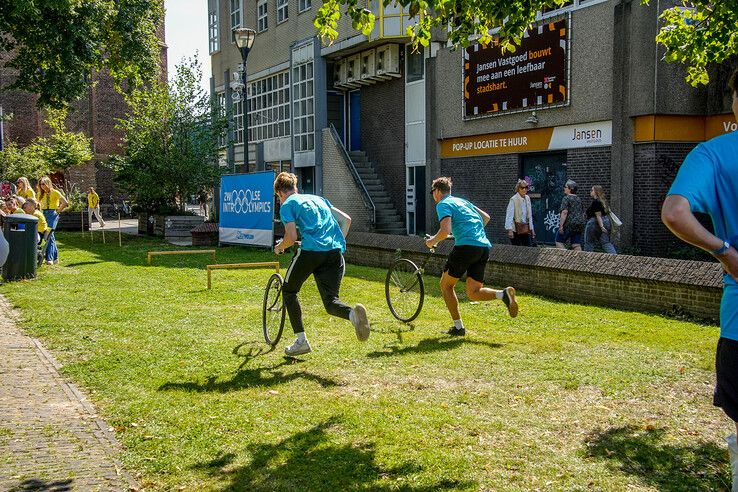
point(564, 397)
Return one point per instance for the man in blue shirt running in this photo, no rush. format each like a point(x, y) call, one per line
point(707, 182)
point(469, 255)
point(323, 229)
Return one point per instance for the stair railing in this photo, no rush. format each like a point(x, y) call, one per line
point(350, 163)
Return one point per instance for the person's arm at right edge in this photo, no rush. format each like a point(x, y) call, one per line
point(677, 215)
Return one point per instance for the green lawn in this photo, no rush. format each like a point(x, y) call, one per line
point(564, 397)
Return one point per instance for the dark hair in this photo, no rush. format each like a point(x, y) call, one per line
point(733, 82)
point(442, 184)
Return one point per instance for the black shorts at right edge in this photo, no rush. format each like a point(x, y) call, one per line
point(726, 369)
point(471, 260)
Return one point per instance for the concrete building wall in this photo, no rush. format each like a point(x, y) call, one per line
point(340, 187)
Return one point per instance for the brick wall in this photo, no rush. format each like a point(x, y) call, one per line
point(487, 182)
point(383, 135)
point(589, 167)
point(655, 167)
point(624, 282)
point(340, 187)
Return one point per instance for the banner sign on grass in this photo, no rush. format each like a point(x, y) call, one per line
point(247, 209)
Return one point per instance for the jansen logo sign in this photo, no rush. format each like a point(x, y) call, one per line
point(533, 76)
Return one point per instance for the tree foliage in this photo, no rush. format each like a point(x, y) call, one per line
point(170, 143)
point(60, 150)
point(57, 44)
point(703, 33)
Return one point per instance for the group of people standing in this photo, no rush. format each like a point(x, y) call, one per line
point(45, 203)
point(575, 224)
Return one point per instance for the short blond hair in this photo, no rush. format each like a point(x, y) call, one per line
point(285, 182)
point(442, 184)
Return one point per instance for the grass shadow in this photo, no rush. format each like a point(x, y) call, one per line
point(668, 467)
point(43, 485)
point(430, 345)
point(260, 377)
point(309, 460)
point(81, 263)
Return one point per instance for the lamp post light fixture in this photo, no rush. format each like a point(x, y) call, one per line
point(245, 40)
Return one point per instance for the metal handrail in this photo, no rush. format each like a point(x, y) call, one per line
point(367, 197)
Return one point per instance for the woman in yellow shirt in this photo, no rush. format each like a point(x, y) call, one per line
point(52, 203)
point(24, 188)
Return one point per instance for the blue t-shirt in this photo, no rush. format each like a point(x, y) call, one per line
point(708, 179)
point(466, 223)
point(312, 216)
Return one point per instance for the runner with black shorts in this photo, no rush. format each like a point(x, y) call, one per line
point(469, 255)
point(323, 229)
point(707, 182)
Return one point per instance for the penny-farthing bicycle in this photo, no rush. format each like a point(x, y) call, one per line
point(273, 311)
point(404, 288)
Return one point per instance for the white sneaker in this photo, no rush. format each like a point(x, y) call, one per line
point(733, 446)
point(358, 318)
point(298, 348)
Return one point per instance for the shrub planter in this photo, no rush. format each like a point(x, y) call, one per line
point(73, 221)
point(171, 226)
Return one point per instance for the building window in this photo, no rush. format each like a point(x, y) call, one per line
point(269, 107)
point(221, 102)
point(235, 18)
point(213, 34)
point(303, 112)
point(282, 10)
point(262, 21)
point(305, 5)
point(238, 122)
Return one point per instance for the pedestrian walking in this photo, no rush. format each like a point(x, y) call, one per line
point(571, 218)
point(519, 217)
point(599, 226)
point(93, 207)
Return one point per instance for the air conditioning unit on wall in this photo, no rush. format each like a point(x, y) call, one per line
point(387, 61)
point(339, 74)
point(353, 70)
point(368, 67)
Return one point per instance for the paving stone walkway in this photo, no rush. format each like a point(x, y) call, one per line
point(50, 436)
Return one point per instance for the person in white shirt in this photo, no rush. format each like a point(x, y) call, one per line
point(519, 217)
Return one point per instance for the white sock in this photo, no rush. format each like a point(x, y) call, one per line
point(733, 447)
point(301, 337)
point(458, 324)
point(498, 293)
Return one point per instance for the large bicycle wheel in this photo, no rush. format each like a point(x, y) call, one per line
point(272, 315)
point(404, 290)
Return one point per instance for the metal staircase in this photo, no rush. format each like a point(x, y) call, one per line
point(388, 219)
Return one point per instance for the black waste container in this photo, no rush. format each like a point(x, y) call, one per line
point(20, 232)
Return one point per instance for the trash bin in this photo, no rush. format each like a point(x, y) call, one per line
point(20, 232)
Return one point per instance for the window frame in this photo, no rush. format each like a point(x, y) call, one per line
point(262, 15)
point(303, 107)
point(236, 14)
point(304, 5)
point(269, 97)
point(283, 8)
point(213, 31)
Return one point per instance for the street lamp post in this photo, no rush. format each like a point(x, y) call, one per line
point(245, 40)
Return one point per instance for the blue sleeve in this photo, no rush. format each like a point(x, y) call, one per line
point(330, 205)
point(287, 212)
point(444, 210)
point(695, 180)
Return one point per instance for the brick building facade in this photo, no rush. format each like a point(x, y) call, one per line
point(606, 111)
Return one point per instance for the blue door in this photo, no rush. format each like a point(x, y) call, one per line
point(355, 120)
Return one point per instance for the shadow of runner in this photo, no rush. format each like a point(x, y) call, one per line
point(308, 460)
point(42, 485)
point(430, 345)
point(642, 452)
point(260, 377)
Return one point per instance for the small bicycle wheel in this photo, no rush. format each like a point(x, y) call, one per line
point(404, 290)
point(272, 316)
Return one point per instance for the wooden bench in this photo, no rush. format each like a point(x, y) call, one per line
point(235, 266)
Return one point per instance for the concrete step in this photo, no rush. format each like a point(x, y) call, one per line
point(393, 231)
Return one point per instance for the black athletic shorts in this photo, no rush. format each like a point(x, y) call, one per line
point(471, 260)
point(726, 368)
